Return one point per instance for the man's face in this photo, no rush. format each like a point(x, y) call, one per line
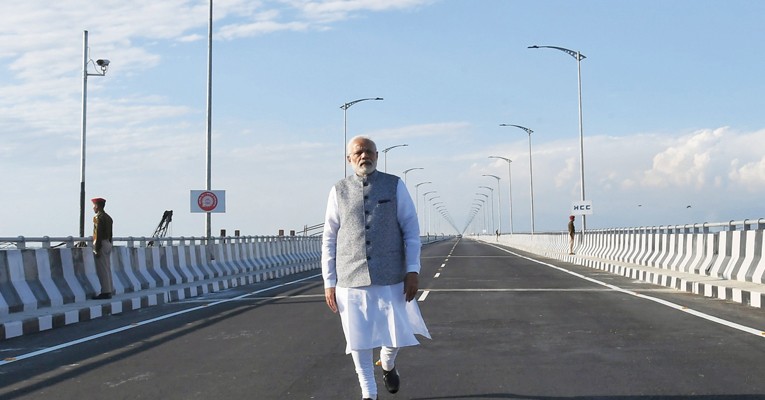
point(362, 156)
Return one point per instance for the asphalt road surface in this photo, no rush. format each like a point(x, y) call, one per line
point(505, 325)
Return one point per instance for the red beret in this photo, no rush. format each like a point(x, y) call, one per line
point(98, 200)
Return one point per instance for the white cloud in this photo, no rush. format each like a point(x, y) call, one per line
point(687, 161)
point(751, 176)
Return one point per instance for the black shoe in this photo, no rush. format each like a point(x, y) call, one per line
point(391, 380)
point(103, 296)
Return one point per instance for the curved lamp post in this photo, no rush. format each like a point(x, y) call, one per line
point(385, 153)
point(417, 199)
point(486, 201)
point(102, 65)
point(493, 224)
point(509, 188)
point(407, 171)
point(578, 57)
point(429, 224)
point(345, 108)
point(425, 210)
point(531, 173)
point(499, 201)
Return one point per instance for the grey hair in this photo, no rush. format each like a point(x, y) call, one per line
point(354, 139)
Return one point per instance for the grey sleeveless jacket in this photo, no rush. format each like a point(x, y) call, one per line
point(370, 244)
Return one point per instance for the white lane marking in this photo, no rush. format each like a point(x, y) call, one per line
point(730, 324)
point(443, 265)
point(437, 275)
point(142, 323)
point(424, 295)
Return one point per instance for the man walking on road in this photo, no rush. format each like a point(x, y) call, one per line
point(102, 247)
point(370, 264)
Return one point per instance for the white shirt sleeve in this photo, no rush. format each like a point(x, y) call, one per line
point(410, 227)
point(329, 241)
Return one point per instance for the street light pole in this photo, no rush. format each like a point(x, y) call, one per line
point(429, 224)
point(425, 210)
point(385, 154)
point(417, 199)
point(531, 173)
point(499, 202)
point(493, 223)
point(483, 205)
point(406, 171)
point(578, 57)
point(103, 64)
point(509, 188)
point(345, 107)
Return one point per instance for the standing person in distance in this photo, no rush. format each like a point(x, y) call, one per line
point(571, 233)
point(370, 264)
point(102, 247)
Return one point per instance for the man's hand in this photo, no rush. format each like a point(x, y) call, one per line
point(411, 282)
point(329, 297)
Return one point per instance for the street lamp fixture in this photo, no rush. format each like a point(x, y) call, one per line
point(345, 108)
point(578, 57)
point(509, 188)
point(531, 173)
point(385, 153)
point(100, 66)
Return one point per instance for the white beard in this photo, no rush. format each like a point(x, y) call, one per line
point(364, 170)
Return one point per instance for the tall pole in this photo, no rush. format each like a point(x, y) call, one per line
point(499, 201)
point(82, 133)
point(208, 186)
point(103, 65)
point(345, 107)
point(425, 216)
point(493, 223)
point(509, 188)
point(579, 57)
point(531, 172)
point(417, 199)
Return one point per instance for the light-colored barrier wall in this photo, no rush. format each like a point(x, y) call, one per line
point(35, 278)
point(729, 252)
point(44, 286)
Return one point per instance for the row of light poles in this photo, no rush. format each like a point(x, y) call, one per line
point(579, 57)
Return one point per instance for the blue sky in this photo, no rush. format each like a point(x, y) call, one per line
point(672, 108)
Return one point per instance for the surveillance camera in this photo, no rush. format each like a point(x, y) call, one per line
point(102, 63)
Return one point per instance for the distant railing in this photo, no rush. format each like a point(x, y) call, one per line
point(23, 242)
point(706, 227)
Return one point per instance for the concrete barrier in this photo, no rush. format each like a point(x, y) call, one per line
point(37, 281)
point(722, 260)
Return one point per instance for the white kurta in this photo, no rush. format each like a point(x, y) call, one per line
point(375, 316)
